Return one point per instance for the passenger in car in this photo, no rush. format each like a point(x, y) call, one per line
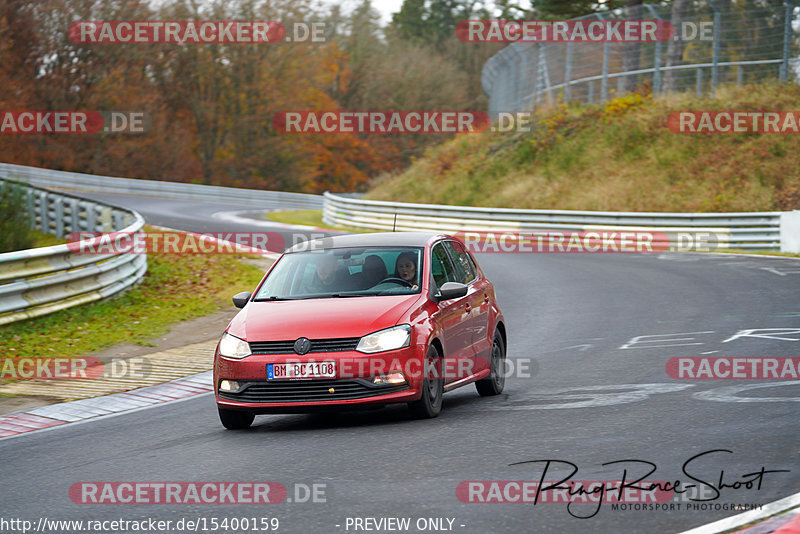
point(405, 267)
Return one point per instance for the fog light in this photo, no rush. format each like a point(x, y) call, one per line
point(228, 385)
point(392, 378)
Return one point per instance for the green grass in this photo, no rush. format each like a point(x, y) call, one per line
point(615, 156)
point(174, 289)
point(308, 218)
point(45, 240)
point(303, 217)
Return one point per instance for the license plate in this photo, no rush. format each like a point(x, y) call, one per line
point(288, 371)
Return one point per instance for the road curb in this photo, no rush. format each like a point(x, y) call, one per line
point(63, 413)
point(166, 365)
point(781, 516)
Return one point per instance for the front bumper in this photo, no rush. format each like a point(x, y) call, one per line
point(351, 388)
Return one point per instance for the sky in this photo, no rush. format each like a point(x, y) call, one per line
point(385, 7)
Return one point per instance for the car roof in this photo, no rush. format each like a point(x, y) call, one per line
point(381, 239)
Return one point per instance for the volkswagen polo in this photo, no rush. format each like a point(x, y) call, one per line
point(359, 321)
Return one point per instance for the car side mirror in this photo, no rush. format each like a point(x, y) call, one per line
point(451, 290)
point(240, 300)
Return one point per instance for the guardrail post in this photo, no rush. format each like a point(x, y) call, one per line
point(44, 212)
point(787, 40)
point(93, 217)
point(568, 71)
point(58, 213)
point(521, 80)
point(30, 200)
point(543, 75)
point(117, 217)
point(656, 55)
point(715, 52)
point(75, 216)
point(790, 231)
point(699, 82)
point(604, 83)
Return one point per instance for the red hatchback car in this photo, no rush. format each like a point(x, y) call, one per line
point(361, 321)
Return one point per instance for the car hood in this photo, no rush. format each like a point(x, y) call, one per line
point(319, 318)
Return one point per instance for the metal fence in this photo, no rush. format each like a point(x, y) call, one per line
point(750, 41)
point(39, 281)
point(174, 190)
point(772, 230)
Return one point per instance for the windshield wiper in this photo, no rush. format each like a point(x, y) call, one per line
point(273, 298)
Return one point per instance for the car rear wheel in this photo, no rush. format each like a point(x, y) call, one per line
point(493, 384)
point(430, 403)
point(235, 419)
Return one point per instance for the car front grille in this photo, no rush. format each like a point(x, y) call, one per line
point(308, 390)
point(317, 345)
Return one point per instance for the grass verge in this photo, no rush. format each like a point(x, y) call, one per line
point(615, 156)
point(757, 252)
point(309, 218)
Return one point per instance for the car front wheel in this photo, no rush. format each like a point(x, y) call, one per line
point(493, 384)
point(430, 403)
point(235, 419)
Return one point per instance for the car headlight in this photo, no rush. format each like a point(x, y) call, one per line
point(233, 347)
point(396, 337)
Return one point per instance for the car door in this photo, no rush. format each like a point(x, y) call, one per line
point(477, 320)
point(453, 318)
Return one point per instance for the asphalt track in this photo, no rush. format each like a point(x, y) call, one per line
point(598, 392)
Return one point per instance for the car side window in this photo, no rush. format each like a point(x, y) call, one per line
point(441, 268)
point(465, 269)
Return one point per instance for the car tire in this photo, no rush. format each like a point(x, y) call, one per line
point(494, 383)
point(429, 404)
point(235, 419)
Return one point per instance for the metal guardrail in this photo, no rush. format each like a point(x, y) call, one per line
point(773, 230)
point(40, 281)
point(174, 190)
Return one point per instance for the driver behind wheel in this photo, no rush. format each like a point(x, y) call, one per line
point(405, 267)
point(328, 276)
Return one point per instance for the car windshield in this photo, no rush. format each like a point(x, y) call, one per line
point(344, 272)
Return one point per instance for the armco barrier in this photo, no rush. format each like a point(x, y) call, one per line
point(43, 280)
point(773, 230)
point(173, 190)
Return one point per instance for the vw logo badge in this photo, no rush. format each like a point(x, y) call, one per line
point(302, 345)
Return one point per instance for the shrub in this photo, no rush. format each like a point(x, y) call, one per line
point(15, 232)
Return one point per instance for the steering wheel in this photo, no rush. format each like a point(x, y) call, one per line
point(396, 280)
